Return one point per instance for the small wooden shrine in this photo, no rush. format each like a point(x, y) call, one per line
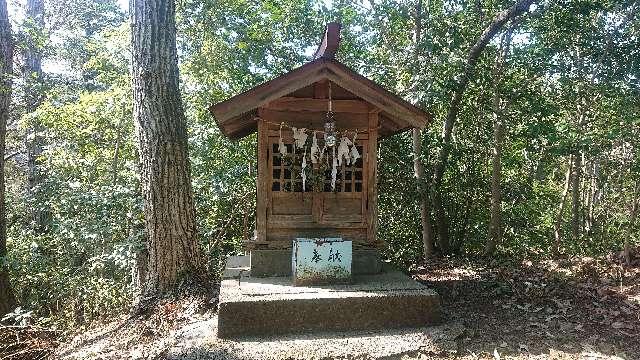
point(318, 128)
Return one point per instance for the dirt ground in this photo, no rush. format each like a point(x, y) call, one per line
point(572, 309)
point(581, 308)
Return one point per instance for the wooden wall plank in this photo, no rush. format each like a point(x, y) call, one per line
point(282, 237)
point(319, 105)
point(292, 204)
point(306, 222)
point(321, 89)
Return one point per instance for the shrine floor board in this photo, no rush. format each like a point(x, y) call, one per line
point(261, 306)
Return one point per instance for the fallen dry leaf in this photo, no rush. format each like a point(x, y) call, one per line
point(617, 325)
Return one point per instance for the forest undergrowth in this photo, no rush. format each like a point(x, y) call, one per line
point(572, 308)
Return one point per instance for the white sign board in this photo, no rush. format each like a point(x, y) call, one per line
point(319, 261)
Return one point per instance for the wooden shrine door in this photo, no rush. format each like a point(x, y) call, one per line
point(319, 210)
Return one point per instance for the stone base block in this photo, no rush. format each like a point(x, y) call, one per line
point(271, 306)
point(236, 266)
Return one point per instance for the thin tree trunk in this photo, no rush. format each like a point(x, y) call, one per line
point(489, 32)
point(423, 194)
point(7, 299)
point(416, 138)
point(162, 139)
point(34, 141)
point(558, 220)
point(495, 224)
point(588, 219)
point(576, 179)
point(632, 222)
point(116, 151)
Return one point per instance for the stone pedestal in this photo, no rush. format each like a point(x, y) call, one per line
point(267, 306)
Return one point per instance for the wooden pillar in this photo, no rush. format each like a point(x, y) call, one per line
point(320, 91)
point(372, 180)
point(262, 181)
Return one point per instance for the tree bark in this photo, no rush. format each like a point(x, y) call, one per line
point(489, 32)
point(7, 299)
point(169, 210)
point(423, 194)
point(558, 221)
point(34, 142)
point(418, 165)
point(495, 223)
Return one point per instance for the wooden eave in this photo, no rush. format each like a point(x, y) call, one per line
point(236, 116)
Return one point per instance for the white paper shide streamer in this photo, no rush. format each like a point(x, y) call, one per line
point(304, 166)
point(334, 170)
point(315, 149)
point(346, 151)
point(300, 137)
point(281, 147)
point(343, 151)
point(355, 155)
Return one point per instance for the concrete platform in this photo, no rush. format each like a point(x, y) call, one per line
point(270, 306)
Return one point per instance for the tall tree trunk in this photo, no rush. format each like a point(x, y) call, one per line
point(495, 223)
point(558, 221)
point(416, 139)
point(34, 142)
point(476, 50)
point(169, 210)
point(423, 194)
point(576, 179)
point(7, 299)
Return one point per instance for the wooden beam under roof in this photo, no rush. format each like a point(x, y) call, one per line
point(322, 105)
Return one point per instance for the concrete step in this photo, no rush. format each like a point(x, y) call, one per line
point(271, 306)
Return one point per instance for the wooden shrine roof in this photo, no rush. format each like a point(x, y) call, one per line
point(236, 116)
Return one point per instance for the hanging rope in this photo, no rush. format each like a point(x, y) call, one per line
point(343, 132)
point(330, 104)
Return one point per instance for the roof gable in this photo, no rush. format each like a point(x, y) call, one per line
point(235, 116)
